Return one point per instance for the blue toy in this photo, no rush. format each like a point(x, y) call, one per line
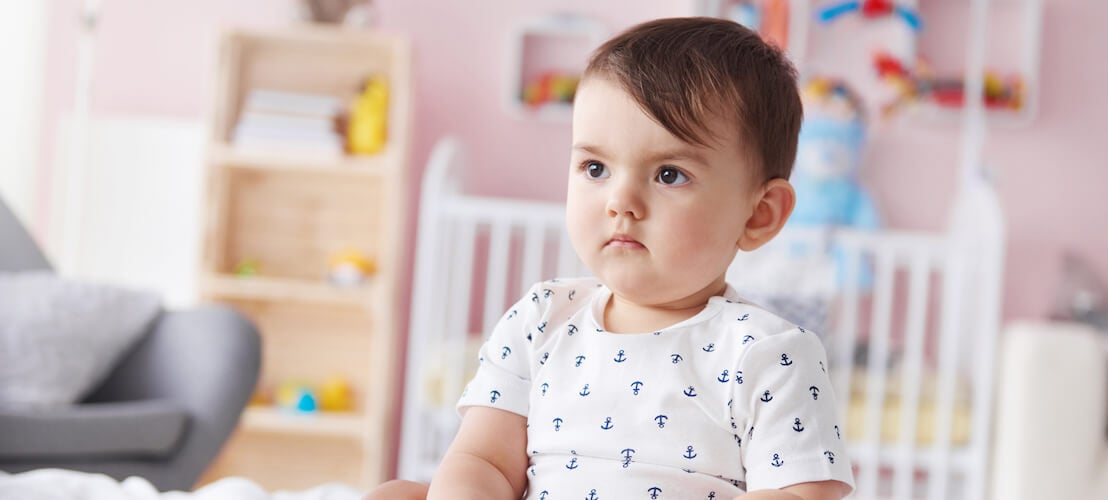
point(829, 155)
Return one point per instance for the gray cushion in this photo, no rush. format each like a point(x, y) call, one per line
point(120, 430)
point(60, 338)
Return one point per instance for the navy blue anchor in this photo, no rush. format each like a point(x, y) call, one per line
point(657, 333)
point(654, 492)
point(592, 495)
point(750, 434)
point(572, 329)
point(744, 317)
point(733, 424)
point(607, 423)
point(738, 376)
point(796, 425)
point(676, 358)
point(544, 386)
point(599, 330)
point(738, 440)
point(504, 352)
point(815, 392)
point(494, 395)
point(837, 435)
point(572, 293)
point(557, 423)
point(546, 293)
point(723, 377)
point(511, 314)
point(543, 494)
point(661, 419)
point(785, 361)
point(573, 464)
point(627, 454)
point(690, 392)
point(620, 357)
point(534, 297)
point(830, 456)
point(531, 469)
point(821, 367)
point(777, 462)
point(579, 360)
point(708, 348)
point(747, 338)
point(545, 356)
point(711, 495)
point(542, 327)
point(802, 330)
point(689, 453)
point(766, 397)
point(635, 387)
point(584, 391)
point(529, 336)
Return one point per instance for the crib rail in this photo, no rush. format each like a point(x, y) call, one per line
point(910, 334)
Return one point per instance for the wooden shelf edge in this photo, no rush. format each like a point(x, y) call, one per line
point(266, 419)
point(261, 288)
point(256, 158)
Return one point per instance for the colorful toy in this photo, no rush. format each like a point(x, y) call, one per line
point(367, 130)
point(872, 9)
point(336, 394)
point(921, 84)
point(298, 397)
point(549, 87)
point(829, 156)
point(351, 268)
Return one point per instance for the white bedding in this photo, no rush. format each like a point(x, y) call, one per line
point(58, 484)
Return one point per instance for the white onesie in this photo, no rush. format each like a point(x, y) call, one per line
point(730, 400)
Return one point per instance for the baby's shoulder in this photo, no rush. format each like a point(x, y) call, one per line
point(748, 323)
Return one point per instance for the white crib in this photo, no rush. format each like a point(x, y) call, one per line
point(917, 411)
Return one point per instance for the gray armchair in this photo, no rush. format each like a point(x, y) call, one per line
point(164, 412)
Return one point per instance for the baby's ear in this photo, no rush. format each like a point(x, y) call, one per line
point(775, 203)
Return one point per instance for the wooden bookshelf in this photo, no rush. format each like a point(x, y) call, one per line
point(287, 211)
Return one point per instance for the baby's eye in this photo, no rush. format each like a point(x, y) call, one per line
point(595, 170)
point(671, 176)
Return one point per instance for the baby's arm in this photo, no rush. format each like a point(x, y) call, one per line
point(487, 460)
point(820, 490)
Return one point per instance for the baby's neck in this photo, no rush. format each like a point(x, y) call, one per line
point(624, 316)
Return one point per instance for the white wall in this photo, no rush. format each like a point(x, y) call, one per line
point(23, 59)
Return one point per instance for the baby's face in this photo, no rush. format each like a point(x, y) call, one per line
point(656, 219)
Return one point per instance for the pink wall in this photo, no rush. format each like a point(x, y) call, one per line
point(157, 57)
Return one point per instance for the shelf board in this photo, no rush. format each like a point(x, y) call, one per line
point(264, 288)
point(268, 419)
point(254, 158)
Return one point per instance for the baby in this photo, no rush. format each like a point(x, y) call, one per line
point(655, 379)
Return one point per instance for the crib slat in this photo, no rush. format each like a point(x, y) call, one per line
point(847, 332)
point(912, 374)
point(532, 256)
point(457, 311)
point(876, 367)
point(950, 327)
point(496, 277)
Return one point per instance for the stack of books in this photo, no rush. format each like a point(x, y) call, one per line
point(290, 122)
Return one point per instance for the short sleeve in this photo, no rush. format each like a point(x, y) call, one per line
point(791, 433)
point(503, 378)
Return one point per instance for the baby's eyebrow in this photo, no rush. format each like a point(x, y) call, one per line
point(589, 148)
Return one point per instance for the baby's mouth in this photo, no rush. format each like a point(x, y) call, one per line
point(624, 241)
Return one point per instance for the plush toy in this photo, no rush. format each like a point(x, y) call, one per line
point(829, 155)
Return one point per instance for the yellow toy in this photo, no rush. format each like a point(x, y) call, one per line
point(367, 130)
point(351, 267)
point(335, 394)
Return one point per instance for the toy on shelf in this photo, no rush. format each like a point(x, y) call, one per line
point(872, 9)
point(922, 85)
point(551, 87)
point(336, 395)
point(298, 397)
point(367, 129)
point(351, 268)
point(247, 268)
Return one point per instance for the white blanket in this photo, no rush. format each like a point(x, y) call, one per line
point(58, 484)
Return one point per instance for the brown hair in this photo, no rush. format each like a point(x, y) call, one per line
point(684, 71)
